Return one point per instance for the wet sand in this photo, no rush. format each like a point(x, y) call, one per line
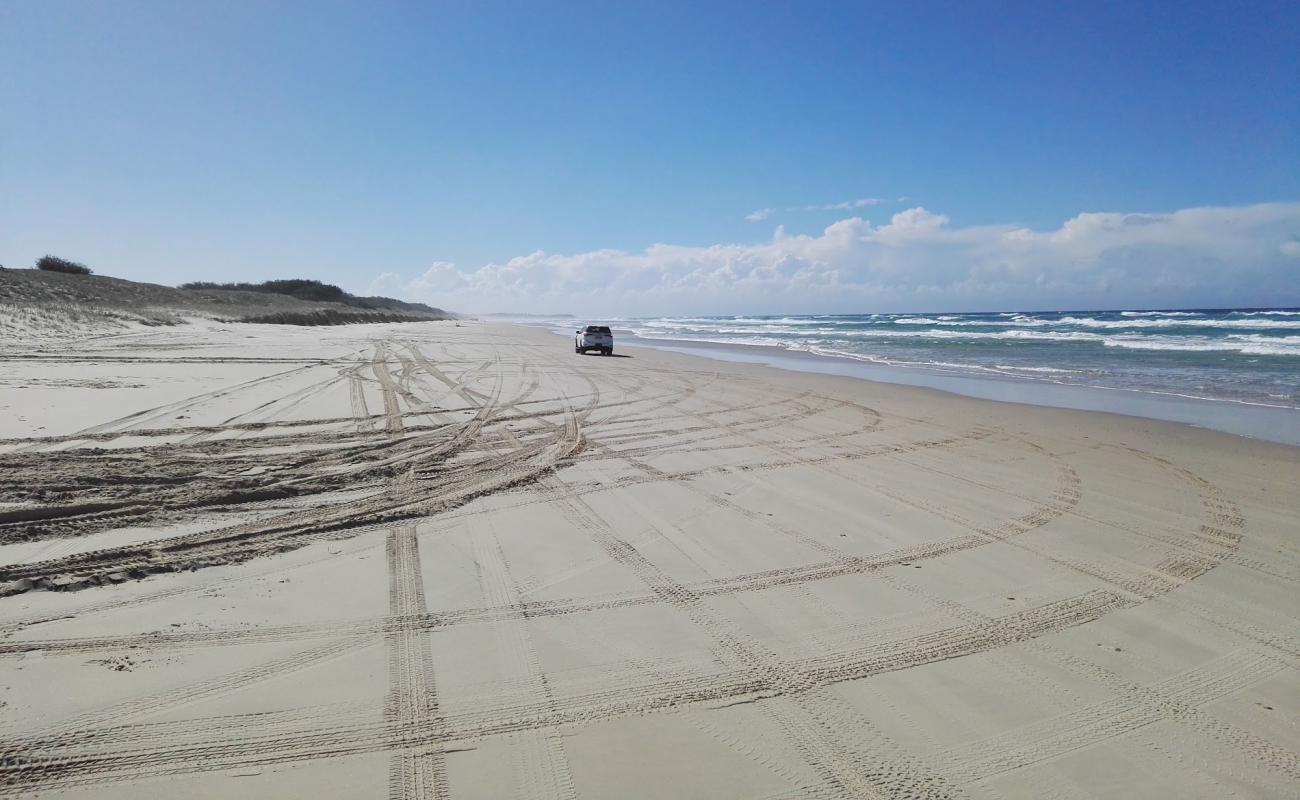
point(439, 560)
point(1272, 423)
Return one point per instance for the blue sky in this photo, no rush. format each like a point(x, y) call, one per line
point(424, 149)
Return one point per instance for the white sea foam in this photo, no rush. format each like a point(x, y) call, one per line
point(834, 324)
point(1263, 339)
point(1089, 322)
point(789, 336)
point(1261, 346)
point(1136, 320)
point(1045, 336)
point(1047, 370)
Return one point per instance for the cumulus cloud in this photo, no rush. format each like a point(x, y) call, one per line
point(760, 214)
point(916, 261)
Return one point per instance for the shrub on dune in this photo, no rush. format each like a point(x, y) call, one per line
point(56, 264)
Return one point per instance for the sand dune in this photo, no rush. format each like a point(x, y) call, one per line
point(458, 560)
point(39, 308)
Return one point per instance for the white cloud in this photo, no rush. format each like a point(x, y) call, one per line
point(847, 205)
point(916, 261)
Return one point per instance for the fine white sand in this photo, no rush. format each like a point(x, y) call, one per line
point(461, 561)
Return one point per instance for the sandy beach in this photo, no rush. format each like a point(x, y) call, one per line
point(457, 560)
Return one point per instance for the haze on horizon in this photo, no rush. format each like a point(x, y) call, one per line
point(659, 158)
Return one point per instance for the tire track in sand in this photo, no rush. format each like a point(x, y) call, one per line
point(357, 400)
point(132, 752)
point(379, 366)
point(815, 722)
point(1062, 501)
point(1176, 699)
point(122, 425)
point(412, 701)
point(448, 486)
point(84, 726)
point(541, 765)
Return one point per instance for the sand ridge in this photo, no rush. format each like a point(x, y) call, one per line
point(445, 560)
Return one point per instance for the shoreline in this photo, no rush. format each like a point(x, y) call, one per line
point(1275, 424)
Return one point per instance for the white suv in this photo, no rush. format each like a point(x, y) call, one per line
point(594, 337)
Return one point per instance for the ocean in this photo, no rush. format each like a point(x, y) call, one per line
point(1247, 356)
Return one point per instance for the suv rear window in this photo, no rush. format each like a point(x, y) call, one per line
point(597, 329)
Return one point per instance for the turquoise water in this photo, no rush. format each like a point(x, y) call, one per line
point(1241, 355)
